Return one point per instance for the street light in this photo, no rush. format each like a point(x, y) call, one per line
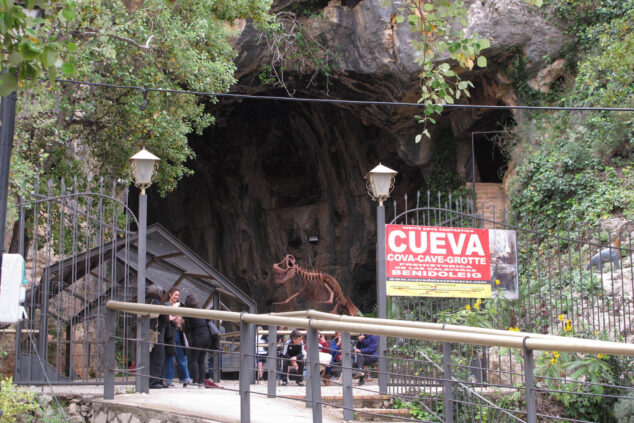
point(144, 165)
point(380, 183)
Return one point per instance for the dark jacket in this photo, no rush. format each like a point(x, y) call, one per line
point(369, 345)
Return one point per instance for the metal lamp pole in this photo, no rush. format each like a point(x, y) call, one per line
point(143, 165)
point(380, 182)
point(381, 293)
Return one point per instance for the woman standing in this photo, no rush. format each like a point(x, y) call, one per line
point(159, 335)
point(199, 336)
point(176, 323)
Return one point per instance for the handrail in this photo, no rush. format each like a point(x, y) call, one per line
point(467, 335)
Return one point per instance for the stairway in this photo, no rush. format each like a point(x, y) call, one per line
point(490, 203)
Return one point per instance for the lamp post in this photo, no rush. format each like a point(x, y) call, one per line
point(380, 183)
point(144, 166)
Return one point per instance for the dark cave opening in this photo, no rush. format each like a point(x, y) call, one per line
point(490, 160)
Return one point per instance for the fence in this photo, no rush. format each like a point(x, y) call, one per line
point(455, 398)
point(561, 291)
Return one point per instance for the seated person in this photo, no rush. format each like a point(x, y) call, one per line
point(335, 351)
point(365, 353)
point(293, 357)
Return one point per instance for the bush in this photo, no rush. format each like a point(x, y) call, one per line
point(16, 402)
point(624, 410)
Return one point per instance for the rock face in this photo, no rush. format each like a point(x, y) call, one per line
point(270, 174)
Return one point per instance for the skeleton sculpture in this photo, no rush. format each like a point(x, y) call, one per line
point(287, 269)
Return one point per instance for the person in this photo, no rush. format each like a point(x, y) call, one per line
point(159, 335)
point(261, 351)
point(365, 353)
point(335, 362)
point(199, 337)
point(293, 357)
point(176, 352)
point(216, 337)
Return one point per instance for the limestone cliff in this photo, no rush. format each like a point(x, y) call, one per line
point(270, 174)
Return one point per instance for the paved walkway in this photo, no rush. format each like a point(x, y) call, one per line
point(213, 405)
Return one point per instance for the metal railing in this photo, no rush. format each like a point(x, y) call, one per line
point(454, 394)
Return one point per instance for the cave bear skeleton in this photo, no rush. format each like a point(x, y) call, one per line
point(314, 280)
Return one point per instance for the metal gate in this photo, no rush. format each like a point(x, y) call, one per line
point(70, 239)
point(559, 293)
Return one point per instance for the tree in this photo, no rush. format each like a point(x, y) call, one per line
point(31, 45)
point(88, 131)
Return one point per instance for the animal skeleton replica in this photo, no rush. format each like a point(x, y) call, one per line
point(315, 282)
point(612, 254)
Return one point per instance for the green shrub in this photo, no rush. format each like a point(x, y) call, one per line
point(624, 410)
point(16, 402)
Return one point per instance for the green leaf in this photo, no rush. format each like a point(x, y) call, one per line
point(30, 4)
point(8, 83)
point(69, 69)
point(485, 43)
point(72, 47)
point(49, 58)
point(418, 138)
point(29, 50)
point(428, 7)
point(68, 14)
point(482, 61)
point(15, 58)
point(400, 18)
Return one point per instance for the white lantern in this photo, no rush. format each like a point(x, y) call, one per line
point(380, 183)
point(144, 166)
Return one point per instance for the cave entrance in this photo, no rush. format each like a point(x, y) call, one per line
point(489, 160)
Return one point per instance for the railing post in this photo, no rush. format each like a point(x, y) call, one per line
point(314, 374)
point(447, 389)
point(246, 354)
point(529, 384)
point(271, 363)
point(217, 355)
point(346, 377)
point(110, 354)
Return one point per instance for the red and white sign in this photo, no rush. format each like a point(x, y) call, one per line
point(425, 253)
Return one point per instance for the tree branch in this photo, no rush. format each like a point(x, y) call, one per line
point(120, 38)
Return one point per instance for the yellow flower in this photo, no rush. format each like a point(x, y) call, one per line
point(477, 306)
point(514, 329)
point(600, 355)
point(561, 317)
point(497, 282)
point(596, 333)
point(568, 325)
point(468, 307)
point(556, 354)
point(554, 360)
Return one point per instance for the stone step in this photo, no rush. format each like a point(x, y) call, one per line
point(359, 401)
point(490, 202)
point(380, 414)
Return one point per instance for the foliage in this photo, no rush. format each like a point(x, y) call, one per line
point(16, 402)
point(34, 42)
point(439, 28)
point(583, 383)
point(290, 48)
point(576, 167)
point(91, 131)
point(624, 410)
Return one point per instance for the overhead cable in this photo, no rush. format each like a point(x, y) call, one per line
point(146, 90)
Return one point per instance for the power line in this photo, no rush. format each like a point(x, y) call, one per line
point(335, 101)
